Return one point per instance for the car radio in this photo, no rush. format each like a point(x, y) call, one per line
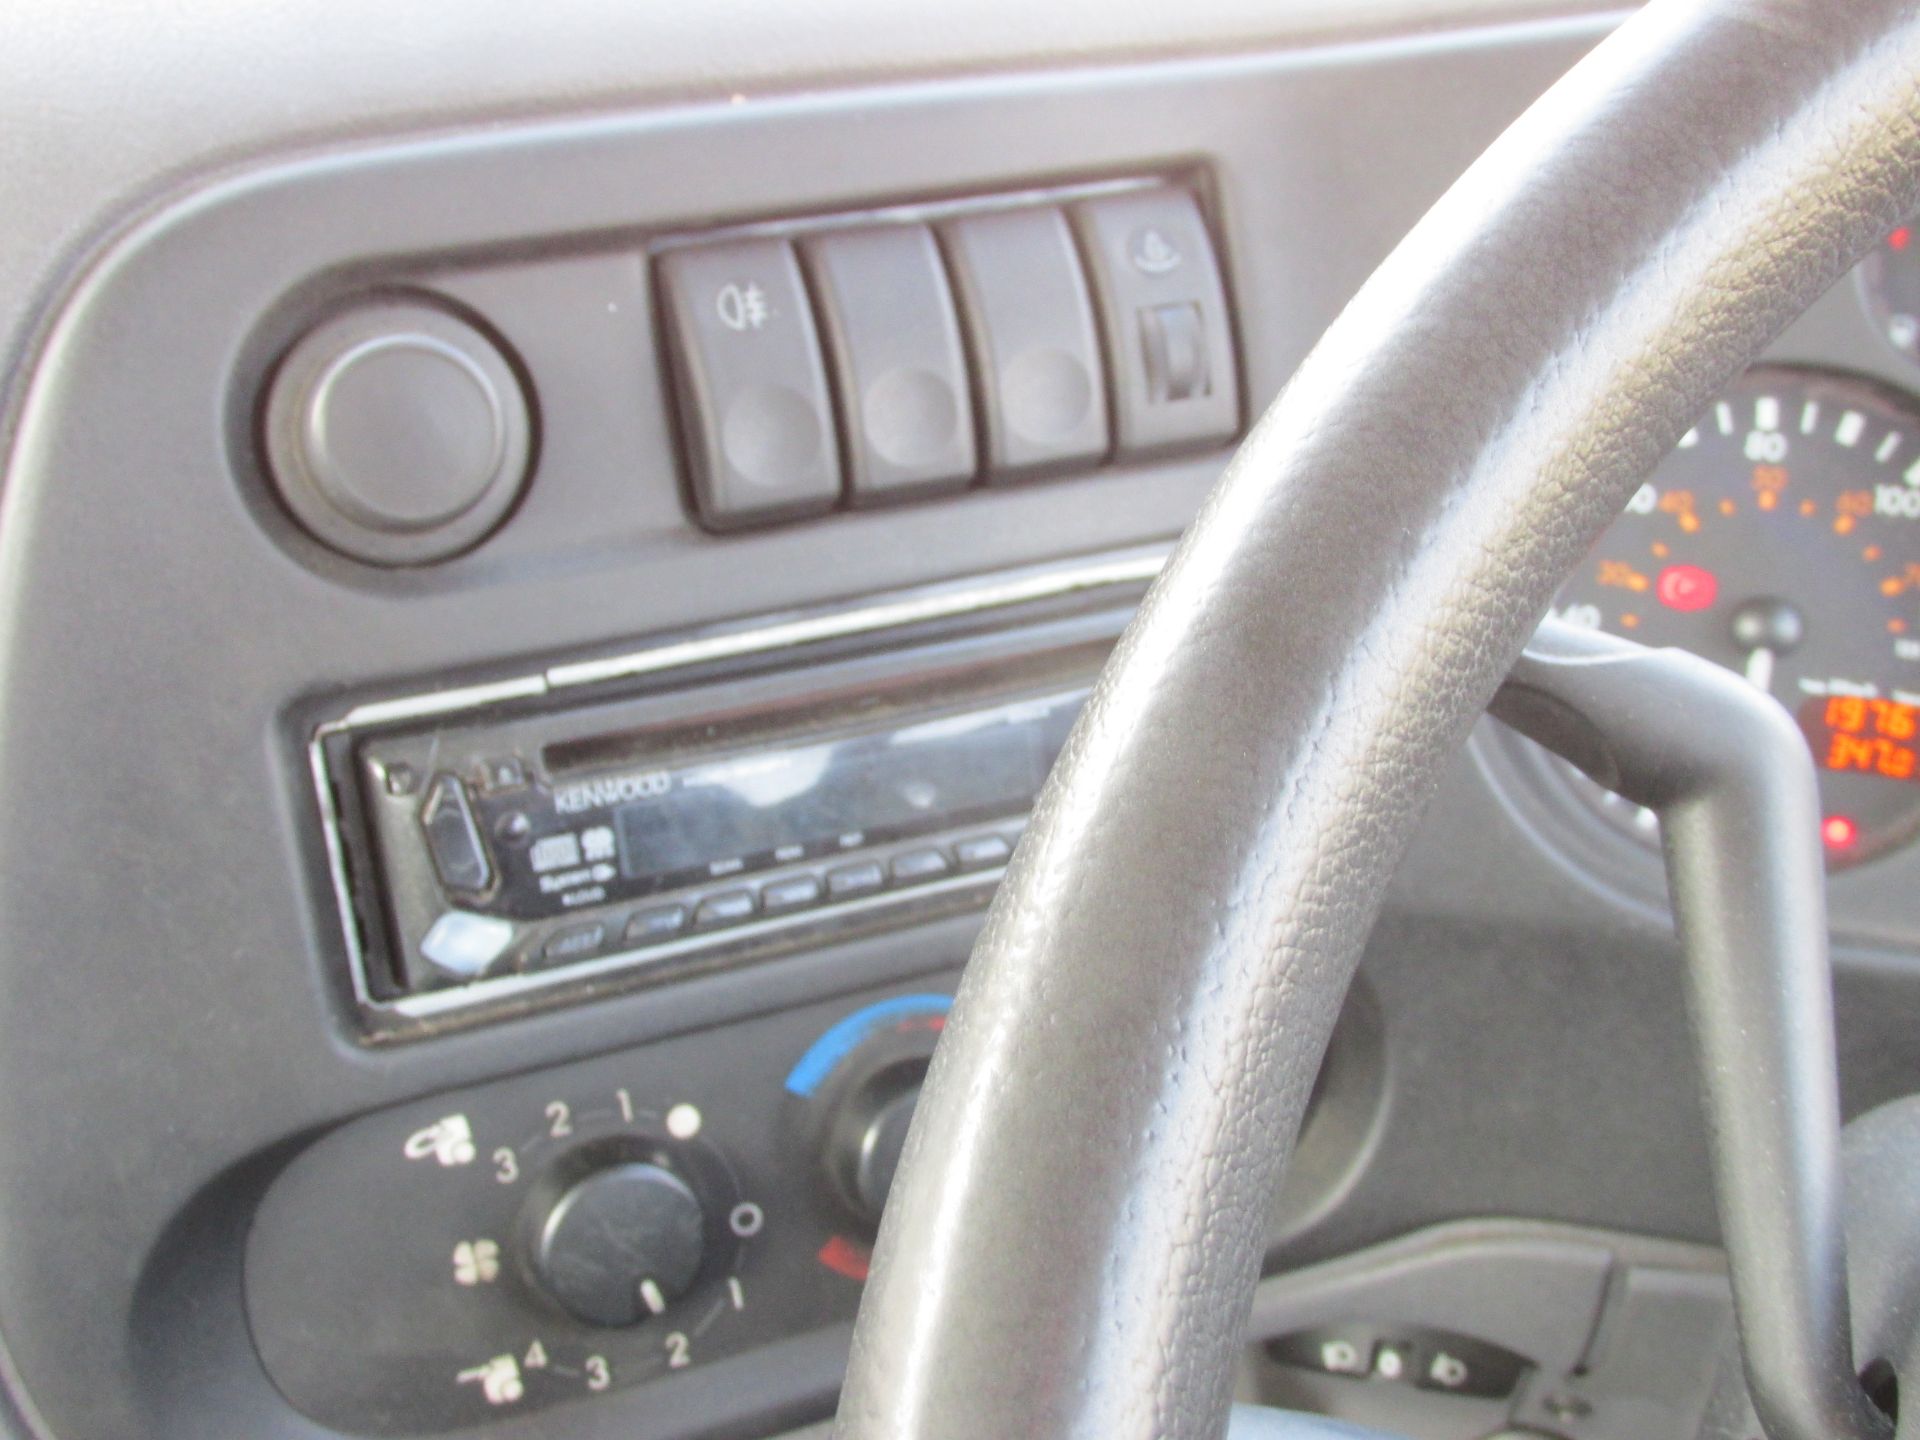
point(502, 844)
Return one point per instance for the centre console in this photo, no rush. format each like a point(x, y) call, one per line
point(723, 803)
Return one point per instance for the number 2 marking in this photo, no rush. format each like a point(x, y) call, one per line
point(678, 1354)
point(560, 1120)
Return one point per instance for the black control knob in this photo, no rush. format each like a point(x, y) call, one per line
point(865, 1138)
point(855, 1091)
point(620, 1245)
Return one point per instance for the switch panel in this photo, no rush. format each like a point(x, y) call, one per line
point(1029, 323)
point(1165, 314)
point(893, 345)
point(1426, 1359)
point(752, 388)
point(894, 356)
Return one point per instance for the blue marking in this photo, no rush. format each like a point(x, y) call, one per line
point(831, 1048)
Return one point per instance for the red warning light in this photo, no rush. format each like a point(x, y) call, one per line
point(1901, 238)
point(1686, 587)
point(1839, 832)
point(845, 1257)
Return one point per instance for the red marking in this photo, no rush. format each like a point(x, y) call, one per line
point(1686, 587)
point(844, 1257)
point(1901, 238)
point(1839, 832)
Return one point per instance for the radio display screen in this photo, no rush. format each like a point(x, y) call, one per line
point(774, 806)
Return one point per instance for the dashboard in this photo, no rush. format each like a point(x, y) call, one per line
point(528, 646)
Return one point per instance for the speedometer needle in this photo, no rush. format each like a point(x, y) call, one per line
point(1760, 669)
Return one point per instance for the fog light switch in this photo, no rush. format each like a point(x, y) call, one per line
point(752, 389)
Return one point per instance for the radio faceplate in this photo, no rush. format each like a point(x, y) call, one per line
point(619, 822)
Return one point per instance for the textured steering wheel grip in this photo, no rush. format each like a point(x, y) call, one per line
point(1076, 1228)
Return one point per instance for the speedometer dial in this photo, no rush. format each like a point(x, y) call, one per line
point(1782, 540)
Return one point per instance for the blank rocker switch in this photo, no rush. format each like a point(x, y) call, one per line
point(1029, 323)
point(893, 346)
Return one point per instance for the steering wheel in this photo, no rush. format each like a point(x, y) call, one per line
point(1074, 1235)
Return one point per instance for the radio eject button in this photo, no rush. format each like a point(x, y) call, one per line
point(464, 946)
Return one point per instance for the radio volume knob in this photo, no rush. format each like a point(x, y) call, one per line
point(620, 1245)
point(453, 837)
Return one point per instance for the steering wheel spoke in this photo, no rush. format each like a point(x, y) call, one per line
point(1730, 777)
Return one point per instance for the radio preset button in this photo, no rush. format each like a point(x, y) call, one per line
point(850, 880)
point(453, 839)
point(726, 908)
point(576, 942)
point(927, 864)
point(656, 923)
point(979, 851)
point(790, 894)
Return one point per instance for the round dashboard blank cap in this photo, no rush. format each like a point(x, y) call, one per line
point(397, 434)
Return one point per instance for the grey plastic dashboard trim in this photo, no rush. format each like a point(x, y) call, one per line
point(261, 972)
point(952, 600)
point(921, 212)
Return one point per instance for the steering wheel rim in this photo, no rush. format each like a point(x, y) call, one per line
point(1073, 1236)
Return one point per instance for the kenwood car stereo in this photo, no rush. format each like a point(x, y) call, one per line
point(504, 841)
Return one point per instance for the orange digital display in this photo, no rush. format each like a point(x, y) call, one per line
point(1861, 735)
